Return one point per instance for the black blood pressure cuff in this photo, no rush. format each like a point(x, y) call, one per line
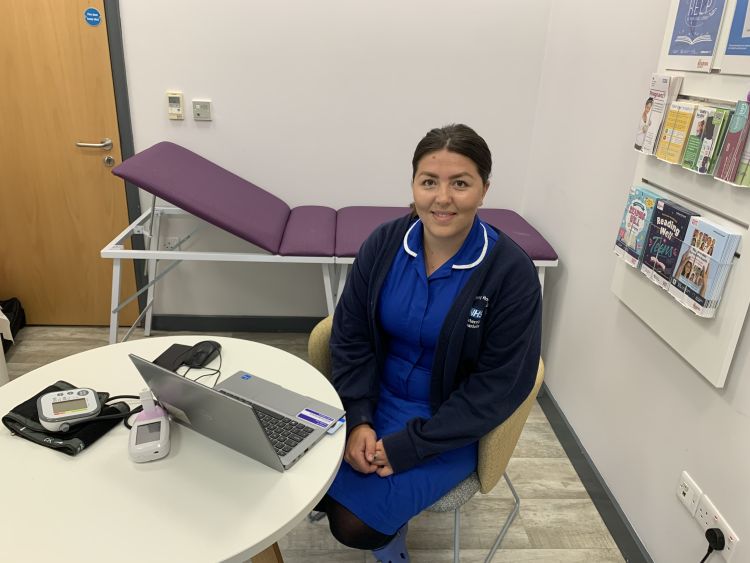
point(23, 421)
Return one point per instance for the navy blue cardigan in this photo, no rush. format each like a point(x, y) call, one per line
point(486, 356)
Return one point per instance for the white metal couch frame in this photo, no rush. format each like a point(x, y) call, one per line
point(148, 224)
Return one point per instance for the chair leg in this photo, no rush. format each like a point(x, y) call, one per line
point(316, 516)
point(456, 534)
point(508, 520)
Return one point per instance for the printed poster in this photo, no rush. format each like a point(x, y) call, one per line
point(696, 27)
point(695, 32)
point(737, 54)
point(739, 33)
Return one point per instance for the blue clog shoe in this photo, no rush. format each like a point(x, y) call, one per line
point(395, 550)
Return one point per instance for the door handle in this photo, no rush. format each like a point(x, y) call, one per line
point(106, 144)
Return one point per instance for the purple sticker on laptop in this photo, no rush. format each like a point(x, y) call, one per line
point(315, 418)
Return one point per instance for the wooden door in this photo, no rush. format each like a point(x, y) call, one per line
point(59, 204)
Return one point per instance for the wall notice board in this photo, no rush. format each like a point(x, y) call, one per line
point(708, 345)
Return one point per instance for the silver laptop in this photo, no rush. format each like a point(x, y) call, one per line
point(251, 415)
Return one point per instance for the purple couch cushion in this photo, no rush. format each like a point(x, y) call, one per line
point(208, 191)
point(524, 235)
point(354, 225)
point(310, 231)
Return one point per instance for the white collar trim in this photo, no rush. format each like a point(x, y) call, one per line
point(481, 255)
point(408, 250)
point(413, 254)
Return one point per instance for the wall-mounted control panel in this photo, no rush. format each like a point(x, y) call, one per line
point(175, 105)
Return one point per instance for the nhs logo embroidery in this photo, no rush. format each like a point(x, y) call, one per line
point(246, 376)
point(477, 311)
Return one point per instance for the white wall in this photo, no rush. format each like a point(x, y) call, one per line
point(322, 103)
point(640, 411)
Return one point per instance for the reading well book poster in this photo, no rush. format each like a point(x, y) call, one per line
point(737, 54)
point(694, 35)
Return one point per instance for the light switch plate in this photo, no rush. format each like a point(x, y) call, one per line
point(202, 110)
point(688, 492)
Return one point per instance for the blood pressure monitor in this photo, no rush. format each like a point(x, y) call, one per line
point(59, 410)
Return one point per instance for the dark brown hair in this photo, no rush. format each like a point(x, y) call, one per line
point(457, 138)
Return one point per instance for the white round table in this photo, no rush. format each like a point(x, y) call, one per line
point(204, 502)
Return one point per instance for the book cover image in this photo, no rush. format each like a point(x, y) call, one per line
point(652, 114)
point(665, 137)
point(631, 236)
point(702, 126)
point(691, 274)
point(713, 135)
point(743, 169)
point(664, 241)
point(683, 120)
point(704, 261)
point(734, 143)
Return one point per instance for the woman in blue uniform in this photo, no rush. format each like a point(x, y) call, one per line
point(436, 341)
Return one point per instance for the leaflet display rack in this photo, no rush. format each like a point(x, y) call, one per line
point(707, 344)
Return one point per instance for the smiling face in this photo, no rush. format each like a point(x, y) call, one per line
point(447, 190)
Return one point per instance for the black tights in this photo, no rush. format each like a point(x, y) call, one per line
point(350, 530)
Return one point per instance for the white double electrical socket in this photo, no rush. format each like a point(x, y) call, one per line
point(703, 510)
point(709, 517)
point(688, 492)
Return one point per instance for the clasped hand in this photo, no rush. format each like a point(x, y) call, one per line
point(365, 453)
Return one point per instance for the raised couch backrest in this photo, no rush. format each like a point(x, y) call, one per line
point(197, 185)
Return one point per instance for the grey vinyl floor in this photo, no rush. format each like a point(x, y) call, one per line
point(557, 522)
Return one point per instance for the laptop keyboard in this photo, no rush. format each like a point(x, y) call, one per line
point(283, 432)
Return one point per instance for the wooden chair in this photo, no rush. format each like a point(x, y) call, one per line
point(495, 448)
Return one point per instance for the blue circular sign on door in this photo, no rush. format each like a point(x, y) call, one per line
point(92, 16)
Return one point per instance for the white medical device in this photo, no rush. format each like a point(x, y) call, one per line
point(149, 436)
point(59, 410)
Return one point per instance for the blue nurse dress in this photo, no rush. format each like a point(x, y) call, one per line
point(411, 310)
